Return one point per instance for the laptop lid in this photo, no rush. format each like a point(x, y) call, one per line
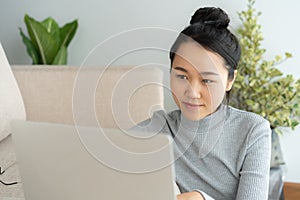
point(73, 163)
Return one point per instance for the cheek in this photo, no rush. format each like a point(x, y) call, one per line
point(217, 93)
point(175, 88)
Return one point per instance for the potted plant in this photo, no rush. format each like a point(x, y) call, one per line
point(260, 87)
point(47, 42)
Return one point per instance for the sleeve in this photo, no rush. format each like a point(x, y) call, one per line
point(153, 125)
point(204, 195)
point(254, 175)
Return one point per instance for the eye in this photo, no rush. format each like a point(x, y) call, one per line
point(207, 81)
point(184, 77)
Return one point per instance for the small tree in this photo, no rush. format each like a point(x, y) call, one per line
point(260, 87)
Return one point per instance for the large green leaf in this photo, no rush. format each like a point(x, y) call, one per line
point(30, 48)
point(42, 40)
point(52, 28)
point(61, 57)
point(67, 32)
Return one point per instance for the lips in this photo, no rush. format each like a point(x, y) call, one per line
point(192, 106)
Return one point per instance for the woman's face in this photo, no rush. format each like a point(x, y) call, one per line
point(199, 80)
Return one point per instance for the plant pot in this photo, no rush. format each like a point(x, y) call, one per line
point(277, 158)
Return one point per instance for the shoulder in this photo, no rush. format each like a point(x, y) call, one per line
point(249, 123)
point(162, 116)
point(168, 116)
point(160, 121)
point(242, 116)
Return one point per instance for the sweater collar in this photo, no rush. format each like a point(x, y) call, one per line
point(207, 122)
point(208, 129)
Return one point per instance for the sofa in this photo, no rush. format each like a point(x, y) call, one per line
point(110, 97)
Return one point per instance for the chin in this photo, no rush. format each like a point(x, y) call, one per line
point(192, 116)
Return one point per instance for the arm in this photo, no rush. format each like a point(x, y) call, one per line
point(254, 175)
point(194, 195)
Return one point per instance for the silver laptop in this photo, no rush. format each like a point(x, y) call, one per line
point(84, 163)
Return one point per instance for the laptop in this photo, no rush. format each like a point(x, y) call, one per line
point(68, 162)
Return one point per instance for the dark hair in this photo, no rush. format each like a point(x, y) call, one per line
point(208, 27)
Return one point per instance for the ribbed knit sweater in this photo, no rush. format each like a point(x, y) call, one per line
point(226, 154)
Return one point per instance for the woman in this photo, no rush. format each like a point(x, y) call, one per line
point(221, 152)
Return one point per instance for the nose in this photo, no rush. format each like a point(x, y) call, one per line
point(194, 90)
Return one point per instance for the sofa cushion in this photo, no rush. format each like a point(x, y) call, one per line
point(121, 96)
point(11, 103)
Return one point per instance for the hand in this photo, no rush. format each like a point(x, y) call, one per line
point(190, 196)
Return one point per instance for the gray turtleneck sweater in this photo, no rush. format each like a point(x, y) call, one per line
point(225, 155)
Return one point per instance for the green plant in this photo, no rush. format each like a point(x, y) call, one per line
point(47, 42)
point(260, 87)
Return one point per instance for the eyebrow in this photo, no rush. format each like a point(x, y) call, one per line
point(201, 73)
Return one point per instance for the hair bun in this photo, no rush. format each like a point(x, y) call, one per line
point(211, 16)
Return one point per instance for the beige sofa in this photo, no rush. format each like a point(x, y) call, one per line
point(121, 97)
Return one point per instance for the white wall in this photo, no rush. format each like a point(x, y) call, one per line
point(101, 19)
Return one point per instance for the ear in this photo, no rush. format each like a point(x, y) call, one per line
point(230, 82)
